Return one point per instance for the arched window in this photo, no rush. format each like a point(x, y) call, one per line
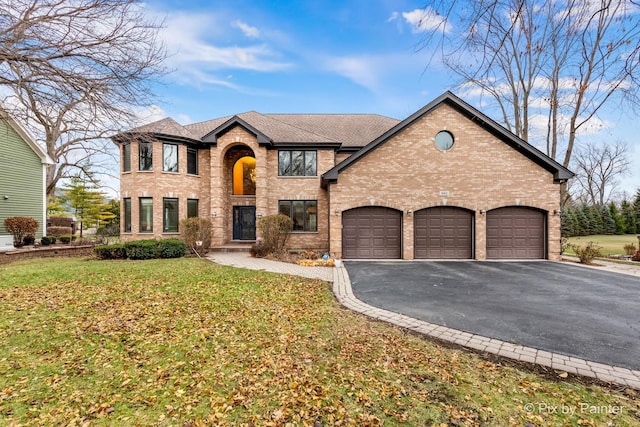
point(244, 176)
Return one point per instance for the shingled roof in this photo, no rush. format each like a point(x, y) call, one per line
point(350, 130)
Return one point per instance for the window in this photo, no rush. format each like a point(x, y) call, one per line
point(170, 215)
point(127, 215)
point(146, 156)
point(146, 215)
point(170, 157)
point(297, 163)
point(192, 161)
point(444, 140)
point(192, 208)
point(303, 214)
point(126, 158)
point(244, 176)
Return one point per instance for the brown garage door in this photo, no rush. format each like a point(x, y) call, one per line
point(371, 232)
point(516, 233)
point(443, 232)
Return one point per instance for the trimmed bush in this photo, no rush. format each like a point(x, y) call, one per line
point(59, 231)
point(194, 230)
point(21, 227)
point(29, 240)
point(141, 249)
point(274, 230)
point(171, 248)
point(65, 239)
point(588, 253)
point(45, 241)
point(116, 251)
point(630, 249)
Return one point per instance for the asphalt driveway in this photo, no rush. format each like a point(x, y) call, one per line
point(557, 307)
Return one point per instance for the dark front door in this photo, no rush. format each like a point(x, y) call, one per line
point(244, 223)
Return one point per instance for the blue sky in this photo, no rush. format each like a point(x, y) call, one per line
point(352, 56)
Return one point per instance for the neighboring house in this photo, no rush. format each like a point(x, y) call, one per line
point(445, 183)
point(22, 177)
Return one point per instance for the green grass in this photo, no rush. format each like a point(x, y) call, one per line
point(611, 244)
point(188, 342)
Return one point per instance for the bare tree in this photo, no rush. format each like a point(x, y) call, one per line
point(598, 168)
point(556, 63)
point(75, 72)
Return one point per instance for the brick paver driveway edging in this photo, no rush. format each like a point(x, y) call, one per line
point(343, 292)
point(612, 374)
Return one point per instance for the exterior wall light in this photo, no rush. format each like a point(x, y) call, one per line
point(260, 214)
point(6, 197)
point(409, 212)
point(482, 211)
point(214, 214)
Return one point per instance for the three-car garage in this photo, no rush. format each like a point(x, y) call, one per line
point(444, 232)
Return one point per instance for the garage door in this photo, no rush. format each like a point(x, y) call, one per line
point(516, 233)
point(371, 232)
point(443, 232)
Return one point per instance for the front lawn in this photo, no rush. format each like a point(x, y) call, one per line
point(610, 244)
point(187, 342)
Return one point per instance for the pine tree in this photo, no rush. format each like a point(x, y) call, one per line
point(565, 223)
point(629, 217)
point(636, 208)
point(615, 214)
point(582, 222)
point(608, 223)
point(84, 201)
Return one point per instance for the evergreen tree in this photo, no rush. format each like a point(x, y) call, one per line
point(636, 208)
point(582, 222)
point(617, 218)
point(566, 229)
point(593, 220)
point(608, 223)
point(84, 201)
point(629, 217)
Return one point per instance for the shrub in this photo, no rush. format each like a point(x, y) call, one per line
point(20, 227)
point(171, 248)
point(58, 231)
point(29, 239)
point(259, 249)
point(630, 249)
point(196, 229)
point(65, 239)
point(141, 249)
point(116, 251)
point(274, 230)
point(45, 241)
point(59, 221)
point(588, 253)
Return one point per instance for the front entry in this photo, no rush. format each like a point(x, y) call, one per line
point(244, 223)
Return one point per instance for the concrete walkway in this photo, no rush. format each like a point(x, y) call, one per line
point(344, 294)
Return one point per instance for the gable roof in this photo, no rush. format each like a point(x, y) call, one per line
point(560, 173)
point(166, 128)
point(350, 131)
point(26, 137)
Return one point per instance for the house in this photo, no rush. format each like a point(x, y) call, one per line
point(22, 177)
point(445, 183)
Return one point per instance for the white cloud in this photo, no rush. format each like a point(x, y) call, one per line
point(362, 70)
point(248, 30)
point(393, 17)
point(198, 58)
point(425, 20)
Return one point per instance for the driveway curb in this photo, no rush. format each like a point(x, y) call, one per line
point(344, 294)
point(611, 374)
